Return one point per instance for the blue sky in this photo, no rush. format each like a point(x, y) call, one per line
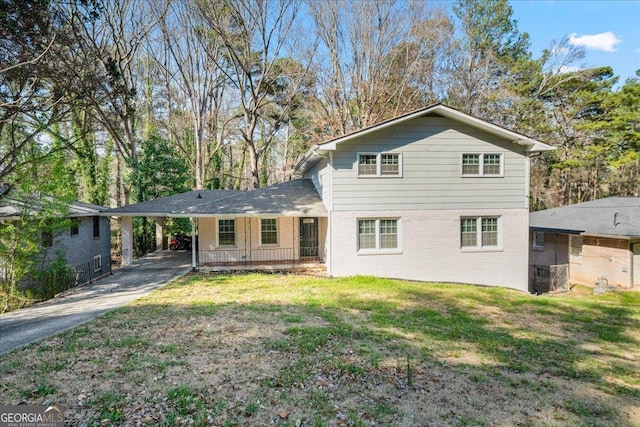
point(609, 30)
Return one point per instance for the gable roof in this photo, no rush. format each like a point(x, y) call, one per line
point(293, 198)
point(531, 145)
point(611, 217)
point(13, 207)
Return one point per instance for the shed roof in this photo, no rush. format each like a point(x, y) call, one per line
point(613, 216)
point(293, 198)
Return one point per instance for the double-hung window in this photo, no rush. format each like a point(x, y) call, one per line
point(483, 164)
point(226, 232)
point(269, 231)
point(480, 233)
point(97, 263)
point(377, 234)
point(379, 164)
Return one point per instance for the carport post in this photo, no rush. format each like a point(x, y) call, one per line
point(159, 232)
point(126, 230)
point(194, 244)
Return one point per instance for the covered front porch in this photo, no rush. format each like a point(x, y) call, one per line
point(260, 240)
point(279, 227)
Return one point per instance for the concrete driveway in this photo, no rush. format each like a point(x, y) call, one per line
point(22, 327)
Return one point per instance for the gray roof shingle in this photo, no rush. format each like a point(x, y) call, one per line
point(612, 216)
point(293, 198)
point(12, 207)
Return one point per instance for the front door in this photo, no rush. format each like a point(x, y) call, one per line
point(308, 237)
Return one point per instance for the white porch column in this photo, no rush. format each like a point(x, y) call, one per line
point(159, 232)
point(193, 244)
point(126, 230)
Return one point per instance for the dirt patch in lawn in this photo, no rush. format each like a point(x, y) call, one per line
point(284, 350)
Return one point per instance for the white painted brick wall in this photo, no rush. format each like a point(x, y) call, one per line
point(430, 248)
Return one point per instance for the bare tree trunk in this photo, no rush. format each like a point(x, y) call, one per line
point(191, 60)
point(254, 34)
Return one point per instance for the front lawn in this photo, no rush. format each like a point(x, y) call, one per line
point(293, 350)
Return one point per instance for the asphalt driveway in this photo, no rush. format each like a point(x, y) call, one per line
point(22, 327)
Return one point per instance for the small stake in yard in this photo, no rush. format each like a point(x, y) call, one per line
point(409, 371)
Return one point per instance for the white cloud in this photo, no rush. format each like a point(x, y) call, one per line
point(563, 69)
point(603, 41)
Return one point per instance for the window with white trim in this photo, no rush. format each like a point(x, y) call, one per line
point(97, 263)
point(538, 240)
point(226, 232)
point(479, 232)
point(377, 234)
point(269, 231)
point(379, 164)
point(482, 164)
point(390, 164)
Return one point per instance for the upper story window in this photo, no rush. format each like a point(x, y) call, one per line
point(74, 227)
point(47, 239)
point(479, 233)
point(96, 227)
point(379, 164)
point(268, 231)
point(226, 232)
point(390, 164)
point(47, 234)
point(482, 164)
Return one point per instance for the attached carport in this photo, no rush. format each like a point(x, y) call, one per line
point(177, 206)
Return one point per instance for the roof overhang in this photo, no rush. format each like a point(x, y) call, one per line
point(229, 215)
point(556, 230)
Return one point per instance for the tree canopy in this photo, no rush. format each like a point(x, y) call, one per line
point(235, 91)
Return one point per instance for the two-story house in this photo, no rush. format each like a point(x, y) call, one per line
point(434, 195)
point(85, 244)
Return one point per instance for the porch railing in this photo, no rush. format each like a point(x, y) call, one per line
point(251, 256)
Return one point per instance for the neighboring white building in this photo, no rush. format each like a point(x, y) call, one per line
point(434, 195)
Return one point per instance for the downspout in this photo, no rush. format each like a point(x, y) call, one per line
point(631, 266)
point(329, 260)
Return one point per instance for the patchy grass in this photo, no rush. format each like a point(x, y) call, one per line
point(291, 350)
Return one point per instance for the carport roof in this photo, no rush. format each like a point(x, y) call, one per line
point(293, 198)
